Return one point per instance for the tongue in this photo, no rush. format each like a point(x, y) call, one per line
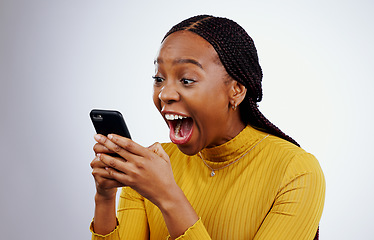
point(186, 127)
point(181, 131)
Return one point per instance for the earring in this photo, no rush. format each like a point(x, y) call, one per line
point(234, 106)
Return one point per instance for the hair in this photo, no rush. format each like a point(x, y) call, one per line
point(238, 55)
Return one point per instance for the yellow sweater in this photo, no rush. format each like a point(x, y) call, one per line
point(276, 191)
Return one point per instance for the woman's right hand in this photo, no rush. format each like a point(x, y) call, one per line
point(106, 186)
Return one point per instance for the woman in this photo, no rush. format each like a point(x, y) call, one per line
point(228, 173)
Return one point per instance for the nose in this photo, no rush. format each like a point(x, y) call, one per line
point(169, 94)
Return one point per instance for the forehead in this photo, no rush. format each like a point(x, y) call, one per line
point(187, 45)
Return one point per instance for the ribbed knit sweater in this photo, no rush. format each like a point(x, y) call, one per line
point(276, 191)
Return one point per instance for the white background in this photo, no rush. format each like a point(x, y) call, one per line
point(60, 59)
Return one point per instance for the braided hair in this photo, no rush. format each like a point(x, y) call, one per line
point(238, 55)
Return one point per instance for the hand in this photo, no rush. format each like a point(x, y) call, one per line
point(106, 186)
point(147, 170)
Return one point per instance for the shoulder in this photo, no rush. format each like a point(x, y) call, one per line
point(286, 155)
point(293, 160)
point(279, 147)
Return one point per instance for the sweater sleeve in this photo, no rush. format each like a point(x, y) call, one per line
point(298, 206)
point(195, 232)
point(132, 219)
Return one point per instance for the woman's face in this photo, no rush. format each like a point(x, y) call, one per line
point(191, 91)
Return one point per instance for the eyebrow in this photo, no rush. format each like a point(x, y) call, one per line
point(181, 60)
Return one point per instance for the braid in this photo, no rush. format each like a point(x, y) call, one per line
point(238, 55)
point(259, 121)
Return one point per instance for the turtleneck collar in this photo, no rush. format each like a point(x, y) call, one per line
point(234, 148)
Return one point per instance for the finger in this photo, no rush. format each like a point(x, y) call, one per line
point(113, 162)
point(104, 178)
point(105, 183)
point(124, 147)
point(123, 179)
point(99, 148)
point(97, 163)
point(112, 147)
point(101, 173)
point(159, 150)
point(127, 144)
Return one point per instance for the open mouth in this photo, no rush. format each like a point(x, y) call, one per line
point(181, 128)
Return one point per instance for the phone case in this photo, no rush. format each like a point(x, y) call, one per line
point(109, 121)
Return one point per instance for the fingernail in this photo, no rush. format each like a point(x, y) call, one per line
point(110, 136)
point(97, 137)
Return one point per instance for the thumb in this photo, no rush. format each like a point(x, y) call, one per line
point(157, 148)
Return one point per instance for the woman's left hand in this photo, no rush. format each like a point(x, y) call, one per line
point(146, 170)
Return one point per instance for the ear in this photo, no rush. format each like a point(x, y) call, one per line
point(237, 93)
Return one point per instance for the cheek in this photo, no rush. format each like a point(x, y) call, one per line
point(215, 105)
point(216, 97)
point(210, 107)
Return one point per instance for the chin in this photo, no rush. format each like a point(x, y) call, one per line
point(188, 150)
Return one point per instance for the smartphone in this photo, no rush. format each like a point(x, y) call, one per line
point(109, 121)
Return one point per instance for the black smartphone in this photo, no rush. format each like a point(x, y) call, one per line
point(109, 121)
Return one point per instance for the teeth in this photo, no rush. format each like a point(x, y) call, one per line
point(174, 116)
point(177, 128)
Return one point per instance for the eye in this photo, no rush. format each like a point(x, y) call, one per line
point(187, 81)
point(158, 79)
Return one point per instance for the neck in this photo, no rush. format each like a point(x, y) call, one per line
point(231, 130)
point(234, 148)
